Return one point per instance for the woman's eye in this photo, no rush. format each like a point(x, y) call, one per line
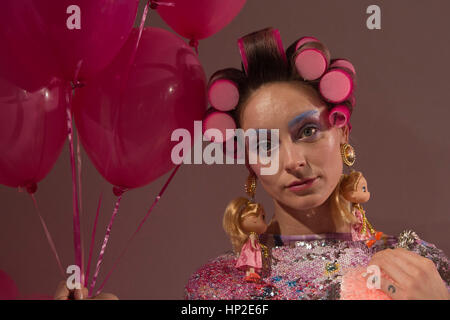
point(265, 145)
point(308, 132)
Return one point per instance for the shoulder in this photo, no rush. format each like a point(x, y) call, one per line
point(216, 279)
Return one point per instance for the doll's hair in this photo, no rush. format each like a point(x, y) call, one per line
point(236, 211)
point(342, 207)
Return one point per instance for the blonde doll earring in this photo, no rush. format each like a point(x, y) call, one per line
point(348, 154)
point(250, 186)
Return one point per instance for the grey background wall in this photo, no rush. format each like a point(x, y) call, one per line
point(400, 133)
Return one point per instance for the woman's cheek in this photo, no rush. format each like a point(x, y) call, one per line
point(325, 149)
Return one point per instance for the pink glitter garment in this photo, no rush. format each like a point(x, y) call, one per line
point(298, 267)
point(250, 257)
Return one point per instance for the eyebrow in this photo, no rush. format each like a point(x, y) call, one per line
point(301, 116)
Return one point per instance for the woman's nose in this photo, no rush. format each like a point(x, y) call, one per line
point(294, 159)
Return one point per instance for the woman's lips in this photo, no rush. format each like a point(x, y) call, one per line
point(302, 186)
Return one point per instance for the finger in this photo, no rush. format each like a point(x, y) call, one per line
point(80, 294)
point(105, 296)
point(414, 259)
point(392, 268)
point(61, 292)
point(392, 289)
point(85, 292)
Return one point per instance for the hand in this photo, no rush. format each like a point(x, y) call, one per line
point(64, 293)
point(411, 275)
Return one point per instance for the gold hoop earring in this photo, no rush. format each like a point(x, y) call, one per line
point(250, 186)
point(348, 154)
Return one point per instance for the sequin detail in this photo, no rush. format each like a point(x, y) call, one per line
point(301, 269)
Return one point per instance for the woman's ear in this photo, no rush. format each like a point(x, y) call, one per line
point(345, 132)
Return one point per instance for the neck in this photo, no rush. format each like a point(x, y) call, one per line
point(287, 221)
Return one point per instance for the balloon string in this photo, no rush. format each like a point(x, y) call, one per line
point(91, 247)
point(76, 212)
point(138, 228)
point(49, 237)
point(133, 54)
point(76, 82)
point(105, 242)
point(80, 198)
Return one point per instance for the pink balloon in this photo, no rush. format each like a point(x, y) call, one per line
point(26, 58)
point(104, 26)
point(33, 129)
point(8, 288)
point(125, 119)
point(199, 19)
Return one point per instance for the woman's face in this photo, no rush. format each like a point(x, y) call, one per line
point(309, 148)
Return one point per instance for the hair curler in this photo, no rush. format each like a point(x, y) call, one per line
point(311, 59)
point(336, 85)
point(218, 120)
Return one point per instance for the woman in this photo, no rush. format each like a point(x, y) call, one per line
point(312, 239)
point(309, 239)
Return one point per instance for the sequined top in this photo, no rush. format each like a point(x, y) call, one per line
point(298, 267)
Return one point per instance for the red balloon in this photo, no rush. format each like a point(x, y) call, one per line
point(8, 288)
point(85, 33)
point(33, 129)
point(125, 116)
point(199, 19)
point(26, 58)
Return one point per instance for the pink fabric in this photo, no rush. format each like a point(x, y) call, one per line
point(354, 287)
point(357, 227)
point(250, 257)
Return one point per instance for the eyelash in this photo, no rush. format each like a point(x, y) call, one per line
point(268, 150)
point(301, 131)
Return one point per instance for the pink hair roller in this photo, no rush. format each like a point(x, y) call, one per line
point(344, 63)
point(304, 40)
point(223, 94)
point(243, 55)
point(336, 85)
point(276, 36)
point(218, 120)
point(312, 59)
point(339, 116)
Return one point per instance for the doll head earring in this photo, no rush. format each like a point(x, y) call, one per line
point(354, 190)
point(244, 221)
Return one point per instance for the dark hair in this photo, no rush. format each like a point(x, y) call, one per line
point(266, 63)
